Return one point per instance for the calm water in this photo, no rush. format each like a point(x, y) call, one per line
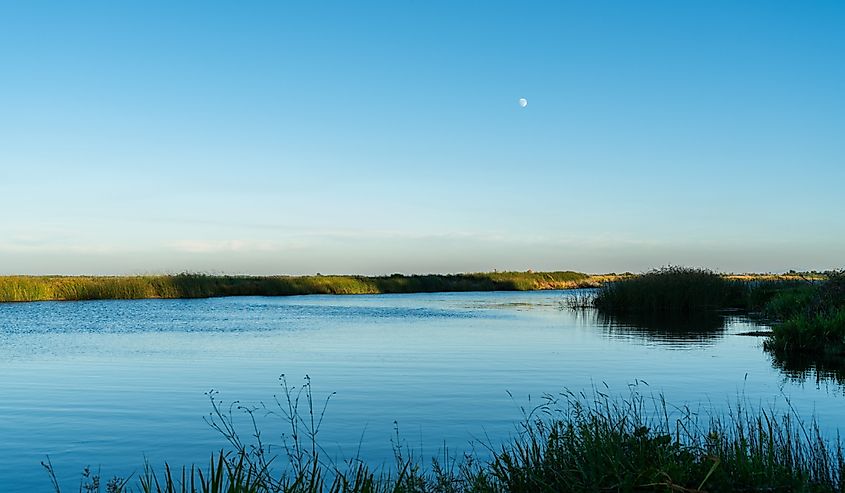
point(110, 383)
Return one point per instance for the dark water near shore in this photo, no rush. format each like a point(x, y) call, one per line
point(110, 383)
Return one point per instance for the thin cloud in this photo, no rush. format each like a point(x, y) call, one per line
point(224, 246)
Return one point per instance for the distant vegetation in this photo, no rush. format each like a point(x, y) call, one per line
point(45, 288)
point(570, 443)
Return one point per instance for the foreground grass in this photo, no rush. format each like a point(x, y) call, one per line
point(59, 288)
point(576, 443)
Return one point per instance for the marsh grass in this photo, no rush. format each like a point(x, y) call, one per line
point(569, 442)
point(788, 302)
point(678, 291)
point(768, 298)
point(579, 300)
point(58, 288)
point(807, 313)
point(669, 291)
point(812, 324)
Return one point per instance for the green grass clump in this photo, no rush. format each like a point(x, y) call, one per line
point(817, 333)
point(812, 320)
point(668, 291)
point(60, 288)
point(790, 301)
point(639, 444)
point(569, 443)
point(758, 294)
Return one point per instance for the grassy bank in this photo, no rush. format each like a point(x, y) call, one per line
point(571, 443)
point(46, 288)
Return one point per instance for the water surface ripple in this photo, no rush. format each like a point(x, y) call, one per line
point(110, 383)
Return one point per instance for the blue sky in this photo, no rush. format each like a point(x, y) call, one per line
point(358, 137)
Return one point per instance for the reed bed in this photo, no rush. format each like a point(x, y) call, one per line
point(678, 291)
point(807, 312)
point(811, 321)
point(569, 443)
point(669, 291)
point(59, 288)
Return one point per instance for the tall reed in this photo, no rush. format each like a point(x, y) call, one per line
point(45, 288)
point(668, 291)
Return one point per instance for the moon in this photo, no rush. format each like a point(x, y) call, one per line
point(523, 102)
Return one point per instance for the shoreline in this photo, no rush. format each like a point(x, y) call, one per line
point(27, 288)
point(24, 288)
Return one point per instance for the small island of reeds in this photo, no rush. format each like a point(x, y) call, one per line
point(807, 313)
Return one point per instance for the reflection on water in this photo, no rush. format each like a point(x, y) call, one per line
point(675, 331)
point(690, 332)
point(802, 368)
